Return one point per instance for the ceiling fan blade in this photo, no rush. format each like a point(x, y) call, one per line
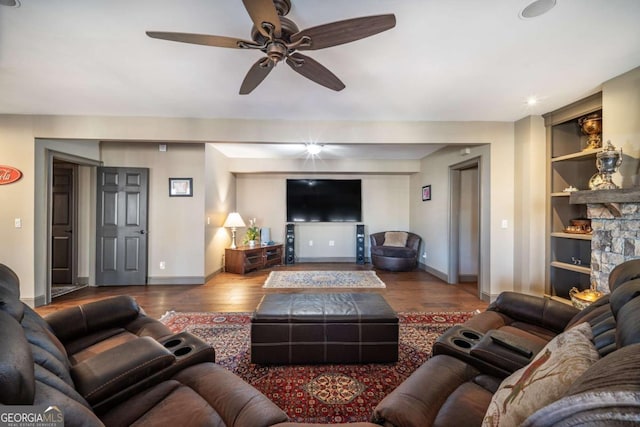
point(203, 39)
point(313, 70)
point(346, 31)
point(263, 11)
point(256, 75)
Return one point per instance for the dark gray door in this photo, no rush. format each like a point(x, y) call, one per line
point(62, 224)
point(121, 225)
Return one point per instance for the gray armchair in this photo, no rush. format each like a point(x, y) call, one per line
point(395, 250)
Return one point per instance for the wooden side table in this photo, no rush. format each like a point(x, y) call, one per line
point(245, 258)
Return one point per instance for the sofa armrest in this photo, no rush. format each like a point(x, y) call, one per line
point(118, 368)
point(418, 401)
point(238, 403)
point(540, 311)
point(506, 351)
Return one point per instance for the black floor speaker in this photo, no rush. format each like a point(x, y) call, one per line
point(289, 245)
point(359, 243)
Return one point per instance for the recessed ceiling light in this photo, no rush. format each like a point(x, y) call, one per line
point(537, 8)
point(531, 101)
point(314, 149)
point(10, 3)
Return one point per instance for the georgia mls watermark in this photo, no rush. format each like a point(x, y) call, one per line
point(31, 416)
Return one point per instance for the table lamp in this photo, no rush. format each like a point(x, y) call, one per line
point(234, 220)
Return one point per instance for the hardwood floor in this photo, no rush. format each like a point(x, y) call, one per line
point(405, 292)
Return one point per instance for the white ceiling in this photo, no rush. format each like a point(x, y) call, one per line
point(445, 60)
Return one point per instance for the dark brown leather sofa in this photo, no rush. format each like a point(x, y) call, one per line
point(455, 386)
point(134, 374)
point(394, 258)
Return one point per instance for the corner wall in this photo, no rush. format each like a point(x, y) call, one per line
point(220, 199)
point(530, 202)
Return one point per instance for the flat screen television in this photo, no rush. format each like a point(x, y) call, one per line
point(324, 200)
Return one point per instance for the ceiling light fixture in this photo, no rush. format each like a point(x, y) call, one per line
point(537, 8)
point(314, 149)
point(531, 101)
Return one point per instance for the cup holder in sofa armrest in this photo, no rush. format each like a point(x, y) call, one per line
point(189, 349)
point(457, 341)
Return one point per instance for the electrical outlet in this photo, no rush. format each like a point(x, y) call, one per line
point(310, 242)
point(332, 243)
point(424, 255)
point(162, 265)
point(17, 222)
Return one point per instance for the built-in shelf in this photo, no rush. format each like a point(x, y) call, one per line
point(574, 156)
point(569, 164)
point(577, 236)
point(572, 267)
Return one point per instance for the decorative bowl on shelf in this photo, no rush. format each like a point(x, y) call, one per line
point(578, 226)
point(583, 299)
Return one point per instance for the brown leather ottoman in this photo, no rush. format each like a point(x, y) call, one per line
point(324, 328)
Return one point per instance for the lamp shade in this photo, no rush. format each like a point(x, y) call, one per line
point(234, 220)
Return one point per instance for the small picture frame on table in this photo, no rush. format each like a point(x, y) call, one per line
point(180, 187)
point(426, 193)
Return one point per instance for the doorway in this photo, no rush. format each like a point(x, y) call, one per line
point(464, 227)
point(70, 206)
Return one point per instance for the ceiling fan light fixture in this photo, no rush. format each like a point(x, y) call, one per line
point(537, 8)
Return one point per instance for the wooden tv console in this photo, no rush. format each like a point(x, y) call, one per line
point(244, 258)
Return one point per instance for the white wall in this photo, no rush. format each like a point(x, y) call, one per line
point(176, 224)
point(385, 206)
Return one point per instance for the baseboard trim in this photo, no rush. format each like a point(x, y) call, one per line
point(351, 260)
point(439, 274)
point(82, 281)
point(488, 297)
point(34, 302)
point(212, 275)
point(178, 280)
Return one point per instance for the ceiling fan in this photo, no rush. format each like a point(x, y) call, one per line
point(280, 39)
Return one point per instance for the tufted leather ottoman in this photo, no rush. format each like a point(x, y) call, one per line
point(324, 328)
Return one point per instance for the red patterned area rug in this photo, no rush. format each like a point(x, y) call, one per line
point(318, 393)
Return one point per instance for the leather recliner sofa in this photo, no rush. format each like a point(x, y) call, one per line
point(135, 378)
point(455, 387)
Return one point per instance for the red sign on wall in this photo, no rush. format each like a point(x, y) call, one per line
point(9, 174)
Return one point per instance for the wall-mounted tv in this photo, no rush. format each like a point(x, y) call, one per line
point(324, 200)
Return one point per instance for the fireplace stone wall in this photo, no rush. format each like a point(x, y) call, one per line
point(615, 238)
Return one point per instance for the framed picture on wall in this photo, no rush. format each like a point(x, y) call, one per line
point(180, 187)
point(426, 193)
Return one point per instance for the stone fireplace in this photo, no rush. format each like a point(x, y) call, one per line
point(615, 221)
